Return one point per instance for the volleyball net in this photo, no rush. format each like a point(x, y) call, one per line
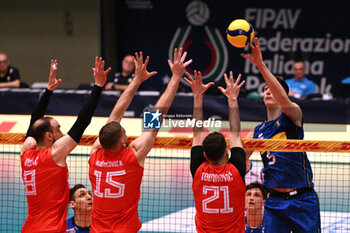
point(166, 203)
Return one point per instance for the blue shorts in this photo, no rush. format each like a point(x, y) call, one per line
point(299, 214)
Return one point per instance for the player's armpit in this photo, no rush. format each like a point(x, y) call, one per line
point(143, 145)
point(95, 146)
point(61, 148)
point(197, 158)
point(238, 159)
point(29, 142)
point(248, 153)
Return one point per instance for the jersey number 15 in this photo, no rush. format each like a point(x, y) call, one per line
point(109, 180)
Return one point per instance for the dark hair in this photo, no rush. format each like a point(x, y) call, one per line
point(283, 84)
point(73, 190)
point(214, 146)
point(298, 60)
point(40, 127)
point(110, 134)
point(258, 186)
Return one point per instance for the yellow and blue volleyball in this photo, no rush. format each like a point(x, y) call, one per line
point(240, 33)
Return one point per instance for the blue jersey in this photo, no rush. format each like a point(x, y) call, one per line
point(346, 80)
point(284, 169)
point(258, 229)
point(302, 87)
point(72, 227)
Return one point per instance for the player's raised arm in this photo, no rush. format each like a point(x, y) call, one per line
point(248, 153)
point(143, 144)
point(141, 75)
point(40, 109)
point(198, 89)
point(232, 92)
point(238, 157)
point(63, 146)
point(292, 110)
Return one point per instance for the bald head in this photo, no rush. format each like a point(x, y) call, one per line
point(4, 63)
point(40, 127)
point(128, 65)
point(3, 56)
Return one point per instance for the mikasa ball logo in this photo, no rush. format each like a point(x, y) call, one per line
point(215, 64)
point(197, 13)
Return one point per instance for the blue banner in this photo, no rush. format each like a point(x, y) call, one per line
point(311, 32)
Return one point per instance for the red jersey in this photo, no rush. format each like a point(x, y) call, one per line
point(219, 194)
point(116, 180)
point(47, 191)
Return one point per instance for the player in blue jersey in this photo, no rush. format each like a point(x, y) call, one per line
point(292, 204)
point(80, 200)
point(255, 197)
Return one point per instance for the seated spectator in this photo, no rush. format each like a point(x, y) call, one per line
point(300, 85)
point(120, 81)
point(255, 198)
point(80, 199)
point(9, 75)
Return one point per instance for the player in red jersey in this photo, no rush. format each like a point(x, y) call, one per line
point(116, 168)
point(44, 153)
point(218, 182)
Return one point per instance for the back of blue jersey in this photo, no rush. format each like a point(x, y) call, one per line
point(284, 169)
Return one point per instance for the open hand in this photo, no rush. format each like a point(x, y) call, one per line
point(100, 74)
point(197, 86)
point(232, 88)
point(141, 72)
point(53, 82)
point(178, 65)
point(255, 57)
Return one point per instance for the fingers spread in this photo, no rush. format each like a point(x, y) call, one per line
point(226, 80)
point(147, 60)
point(210, 84)
point(170, 63)
point(221, 89)
point(241, 84)
point(108, 70)
point(183, 57)
point(238, 79)
point(231, 77)
point(175, 54)
point(179, 54)
point(141, 56)
point(189, 76)
point(137, 56)
point(188, 81)
point(152, 73)
point(188, 62)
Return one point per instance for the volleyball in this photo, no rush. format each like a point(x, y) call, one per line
point(240, 33)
